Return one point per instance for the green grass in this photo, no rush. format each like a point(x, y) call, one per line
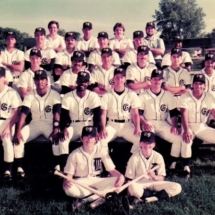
point(41, 193)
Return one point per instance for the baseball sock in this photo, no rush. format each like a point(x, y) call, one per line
point(19, 162)
point(8, 166)
point(56, 161)
point(186, 161)
point(161, 195)
point(63, 160)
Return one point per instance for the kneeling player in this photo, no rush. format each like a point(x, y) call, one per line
point(85, 165)
point(152, 186)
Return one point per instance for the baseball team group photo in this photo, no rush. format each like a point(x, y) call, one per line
point(95, 122)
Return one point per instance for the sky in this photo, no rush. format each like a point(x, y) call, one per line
point(26, 15)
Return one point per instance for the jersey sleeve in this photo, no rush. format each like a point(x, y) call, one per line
point(160, 161)
point(57, 98)
point(161, 44)
point(20, 56)
point(108, 163)
point(96, 102)
point(130, 169)
point(172, 104)
point(126, 57)
point(130, 44)
point(187, 58)
point(105, 101)
point(135, 102)
point(130, 74)
point(28, 100)
point(116, 60)
point(92, 58)
point(142, 101)
point(166, 61)
point(58, 59)
point(183, 102)
point(16, 100)
point(27, 55)
point(23, 81)
point(52, 54)
point(66, 102)
point(151, 58)
point(64, 79)
point(62, 42)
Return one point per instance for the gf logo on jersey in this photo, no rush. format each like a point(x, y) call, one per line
point(126, 107)
point(205, 111)
point(163, 108)
point(48, 109)
point(213, 87)
point(87, 111)
point(111, 82)
point(182, 82)
point(44, 61)
point(4, 106)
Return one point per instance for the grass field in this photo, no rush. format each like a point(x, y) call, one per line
point(41, 193)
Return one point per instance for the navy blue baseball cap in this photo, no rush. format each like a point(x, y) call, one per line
point(87, 25)
point(150, 24)
point(78, 55)
point(177, 39)
point(209, 56)
point(156, 73)
point(40, 74)
point(106, 51)
point(10, 33)
point(71, 34)
point(89, 130)
point(147, 137)
point(199, 78)
point(103, 34)
point(83, 76)
point(36, 52)
point(176, 51)
point(41, 30)
point(138, 34)
point(2, 71)
point(143, 49)
point(120, 70)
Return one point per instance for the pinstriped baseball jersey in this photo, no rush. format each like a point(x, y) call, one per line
point(9, 99)
point(118, 106)
point(136, 74)
point(95, 58)
point(138, 165)
point(64, 58)
point(80, 108)
point(42, 107)
point(131, 57)
point(68, 78)
point(46, 53)
point(124, 43)
point(85, 45)
point(103, 76)
point(156, 107)
point(178, 78)
point(198, 109)
point(82, 164)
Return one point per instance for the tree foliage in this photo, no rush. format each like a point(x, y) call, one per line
point(19, 40)
point(211, 35)
point(182, 18)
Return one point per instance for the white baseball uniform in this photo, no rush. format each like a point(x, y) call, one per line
point(95, 58)
point(136, 74)
point(9, 99)
point(42, 118)
point(85, 45)
point(166, 60)
point(124, 43)
point(53, 44)
point(86, 168)
point(156, 110)
point(131, 57)
point(139, 165)
point(198, 113)
point(105, 77)
point(80, 112)
point(118, 108)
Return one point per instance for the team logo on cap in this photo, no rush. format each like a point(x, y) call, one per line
point(199, 76)
point(89, 129)
point(34, 50)
point(39, 72)
point(137, 32)
point(87, 23)
point(151, 23)
point(119, 69)
point(210, 55)
point(78, 54)
point(70, 33)
point(146, 134)
point(39, 29)
point(102, 33)
point(9, 32)
point(105, 50)
point(143, 48)
point(83, 73)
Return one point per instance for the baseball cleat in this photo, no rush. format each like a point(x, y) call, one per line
point(7, 176)
point(173, 166)
point(151, 199)
point(20, 172)
point(186, 172)
point(97, 203)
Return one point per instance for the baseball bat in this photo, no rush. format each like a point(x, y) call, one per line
point(101, 194)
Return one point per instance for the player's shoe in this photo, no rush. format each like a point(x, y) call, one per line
point(186, 172)
point(173, 166)
point(7, 176)
point(20, 173)
point(97, 203)
point(151, 199)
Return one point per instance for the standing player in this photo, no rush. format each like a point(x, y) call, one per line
point(120, 107)
point(138, 74)
point(138, 40)
point(82, 107)
point(54, 40)
point(94, 59)
point(152, 187)
point(10, 101)
point(88, 43)
point(103, 75)
point(177, 79)
point(48, 54)
point(156, 105)
point(12, 58)
point(196, 107)
point(156, 45)
point(119, 43)
point(45, 105)
point(85, 165)
point(185, 62)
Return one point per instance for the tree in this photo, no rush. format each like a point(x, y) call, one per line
point(182, 18)
point(211, 35)
point(19, 39)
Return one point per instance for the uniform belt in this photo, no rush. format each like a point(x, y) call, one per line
point(76, 177)
point(1, 118)
point(177, 95)
point(80, 121)
point(120, 120)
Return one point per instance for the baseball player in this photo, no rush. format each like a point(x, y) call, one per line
point(196, 107)
point(95, 56)
point(120, 106)
point(103, 75)
point(185, 62)
point(177, 80)
point(82, 107)
point(48, 54)
point(69, 77)
point(119, 43)
point(156, 105)
point(152, 186)
point(138, 74)
point(138, 40)
point(26, 79)
point(85, 165)
point(12, 59)
point(45, 105)
point(10, 101)
point(88, 43)
point(54, 40)
point(156, 44)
